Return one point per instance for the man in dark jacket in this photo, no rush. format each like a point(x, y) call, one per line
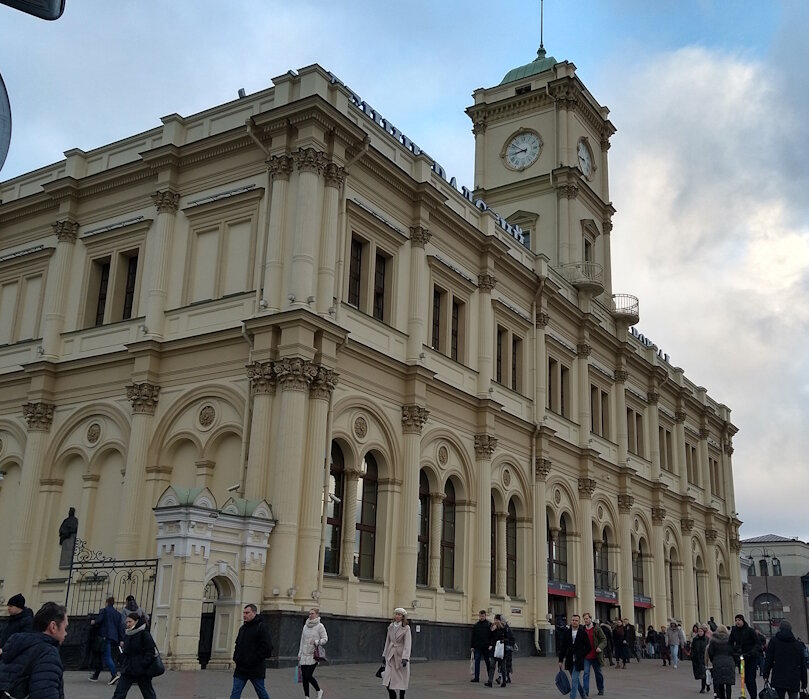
point(480, 643)
point(253, 647)
point(20, 619)
point(744, 643)
point(574, 645)
point(32, 658)
point(110, 625)
point(785, 660)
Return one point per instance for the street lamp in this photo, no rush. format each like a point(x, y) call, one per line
point(766, 576)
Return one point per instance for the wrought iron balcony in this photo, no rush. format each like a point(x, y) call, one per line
point(585, 276)
point(625, 307)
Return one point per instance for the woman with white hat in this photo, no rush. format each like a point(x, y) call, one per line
point(396, 655)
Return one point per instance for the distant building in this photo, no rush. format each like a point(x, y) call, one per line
point(219, 331)
point(778, 582)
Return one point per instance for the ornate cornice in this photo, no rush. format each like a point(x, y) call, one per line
point(323, 383)
point(419, 236)
point(166, 201)
point(542, 467)
point(39, 416)
point(583, 349)
point(280, 167)
point(587, 486)
point(485, 444)
point(294, 373)
point(542, 319)
point(620, 375)
point(334, 175)
point(686, 524)
point(486, 282)
point(413, 418)
point(658, 515)
point(679, 416)
point(309, 160)
point(66, 231)
point(625, 502)
point(262, 377)
point(143, 397)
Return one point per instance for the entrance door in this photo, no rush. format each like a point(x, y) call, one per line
point(206, 623)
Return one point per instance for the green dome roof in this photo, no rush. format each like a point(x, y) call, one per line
point(539, 65)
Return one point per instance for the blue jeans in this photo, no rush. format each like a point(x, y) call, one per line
point(597, 671)
point(239, 685)
point(108, 661)
point(675, 655)
point(574, 682)
point(481, 653)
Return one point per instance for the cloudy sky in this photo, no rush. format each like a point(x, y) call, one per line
point(709, 170)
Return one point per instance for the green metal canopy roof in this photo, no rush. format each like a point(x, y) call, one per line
point(539, 65)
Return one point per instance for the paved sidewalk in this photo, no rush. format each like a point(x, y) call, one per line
point(533, 677)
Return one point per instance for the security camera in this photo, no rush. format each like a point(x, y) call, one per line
point(234, 487)
point(334, 498)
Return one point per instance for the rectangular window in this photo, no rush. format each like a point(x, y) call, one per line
point(516, 363)
point(438, 302)
point(355, 273)
point(558, 399)
point(637, 574)
point(599, 411)
point(716, 476)
point(455, 329)
point(564, 389)
point(634, 430)
point(103, 272)
point(379, 287)
point(129, 288)
point(501, 338)
point(691, 463)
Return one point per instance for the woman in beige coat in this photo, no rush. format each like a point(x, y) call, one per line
point(313, 636)
point(396, 655)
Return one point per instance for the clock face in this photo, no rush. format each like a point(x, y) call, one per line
point(523, 150)
point(585, 159)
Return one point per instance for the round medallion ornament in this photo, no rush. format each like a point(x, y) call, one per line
point(506, 477)
point(207, 414)
point(360, 427)
point(443, 455)
point(557, 496)
point(94, 433)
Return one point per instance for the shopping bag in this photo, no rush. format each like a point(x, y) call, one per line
point(472, 663)
point(708, 676)
point(298, 674)
point(563, 682)
point(768, 692)
point(499, 650)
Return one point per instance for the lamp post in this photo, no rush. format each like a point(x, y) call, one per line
point(765, 554)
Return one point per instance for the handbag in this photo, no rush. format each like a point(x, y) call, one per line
point(499, 649)
point(380, 670)
point(768, 692)
point(320, 653)
point(562, 682)
point(156, 666)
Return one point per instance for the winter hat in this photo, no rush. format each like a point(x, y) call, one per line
point(400, 610)
point(739, 616)
point(16, 601)
point(785, 625)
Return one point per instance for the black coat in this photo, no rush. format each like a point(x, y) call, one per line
point(698, 646)
point(744, 642)
point(571, 652)
point(720, 653)
point(139, 651)
point(17, 623)
point(481, 632)
point(784, 658)
point(253, 647)
point(46, 672)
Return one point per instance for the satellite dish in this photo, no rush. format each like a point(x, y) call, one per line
point(5, 123)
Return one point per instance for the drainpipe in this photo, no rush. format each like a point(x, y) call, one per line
point(262, 240)
point(342, 227)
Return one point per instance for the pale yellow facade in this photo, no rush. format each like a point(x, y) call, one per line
point(223, 302)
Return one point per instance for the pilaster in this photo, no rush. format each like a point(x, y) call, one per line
point(418, 292)
point(279, 167)
point(160, 239)
point(485, 444)
point(586, 590)
point(309, 164)
point(66, 232)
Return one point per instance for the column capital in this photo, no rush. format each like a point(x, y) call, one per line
point(413, 418)
point(437, 498)
point(486, 282)
point(419, 236)
point(262, 377)
point(606, 226)
point(620, 375)
point(501, 516)
point(66, 231)
point(569, 191)
point(727, 447)
point(294, 373)
point(353, 474)
point(711, 535)
point(309, 160)
point(479, 126)
point(39, 416)
point(625, 502)
point(554, 532)
point(542, 319)
point(583, 349)
point(542, 467)
point(687, 524)
point(704, 433)
point(280, 166)
point(485, 444)
point(679, 416)
point(735, 544)
point(658, 515)
point(334, 175)
point(143, 397)
point(653, 397)
point(587, 486)
point(166, 201)
point(323, 383)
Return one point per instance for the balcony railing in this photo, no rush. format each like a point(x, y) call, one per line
point(625, 307)
point(587, 276)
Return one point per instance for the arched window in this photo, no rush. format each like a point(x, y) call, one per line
point(511, 550)
point(776, 566)
point(637, 570)
point(424, 530)
point(365, 539)
point(557, 551)
point(448, 539)
point(493, 563)
point(764, 567)
point(334, 510)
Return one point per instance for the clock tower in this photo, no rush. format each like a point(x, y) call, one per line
point(541, 142)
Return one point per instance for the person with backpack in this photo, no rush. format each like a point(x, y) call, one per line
point(139, 652)
point(30, 665)
point(253, 647)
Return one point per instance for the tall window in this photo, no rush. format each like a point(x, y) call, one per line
point(455, 329)
point(355, 273)
point(379, 286)
point(558, 399)
point(776, 567)
point(666, 450)
point(557, 554)
point(501, 338)
point(448, 323)
point(764, 567)
point(438, 302)
point(637, 571)
point(715, 471)
point(334, 510)
point(493, 562)
point(511, 550)
point(448, 539)
point(691, 463)
point(516, 363)
point(635, 432)
point(371, 271)
point(599, 411)
point(424, 531)
point(129, 290)
point(112, 291)
point(103, 284)
point(365, 539)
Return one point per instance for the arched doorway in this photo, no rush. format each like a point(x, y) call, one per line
point(210, 596)
point(218, 622)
